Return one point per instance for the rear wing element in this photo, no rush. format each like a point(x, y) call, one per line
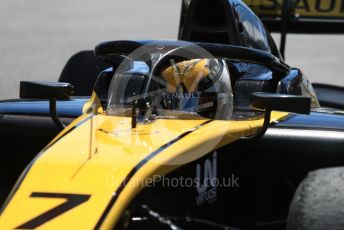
point(300, 16)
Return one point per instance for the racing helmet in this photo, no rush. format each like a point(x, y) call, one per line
point(199, 86)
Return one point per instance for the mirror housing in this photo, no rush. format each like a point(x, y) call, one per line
point(47, 90)
point(281, 102)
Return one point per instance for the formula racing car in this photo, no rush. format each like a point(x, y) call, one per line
point(211, 131)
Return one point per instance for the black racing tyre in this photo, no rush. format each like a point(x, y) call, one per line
point(318, 203)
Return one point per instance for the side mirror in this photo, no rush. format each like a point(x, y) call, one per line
point(280, 102)
point(45, 90)
point(51, 91)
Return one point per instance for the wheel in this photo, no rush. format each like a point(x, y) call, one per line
point(318, 202)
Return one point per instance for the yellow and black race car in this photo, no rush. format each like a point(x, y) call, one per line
point(212, 131)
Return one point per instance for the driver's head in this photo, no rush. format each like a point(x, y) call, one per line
point(198, 85)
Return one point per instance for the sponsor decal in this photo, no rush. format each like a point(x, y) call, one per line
point(195, 95)
point(206, 175)
point(318, 8)
point(71, 201)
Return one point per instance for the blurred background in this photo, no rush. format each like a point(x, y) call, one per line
point(37, 37)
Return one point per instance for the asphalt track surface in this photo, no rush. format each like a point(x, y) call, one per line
point(37, 37)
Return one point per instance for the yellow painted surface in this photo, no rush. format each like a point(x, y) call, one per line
point(305, 8)
point(95, 157)
point(189, 73)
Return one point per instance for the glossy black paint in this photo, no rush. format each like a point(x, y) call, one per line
point(68, 108)
point(208, 21)
point(281, 102)
point(330, 95)
point(326, 120)
point(296, 23)
point(291, 83)
point(251, 29)
point(306, 25)
point(106, 50)
point(46, 90)
point(233, 22)
point(82, 70)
